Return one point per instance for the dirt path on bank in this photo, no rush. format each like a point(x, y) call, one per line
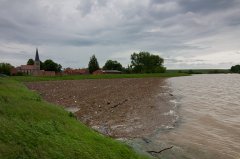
point(116, 107)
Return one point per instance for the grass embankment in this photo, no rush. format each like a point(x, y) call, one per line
point(32, 128)
point(106, 76)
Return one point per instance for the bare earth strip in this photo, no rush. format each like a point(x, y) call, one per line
point(116, 107)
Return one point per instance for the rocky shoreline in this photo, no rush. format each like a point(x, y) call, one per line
point(120, 108)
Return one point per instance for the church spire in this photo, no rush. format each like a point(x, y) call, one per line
point(37, 56)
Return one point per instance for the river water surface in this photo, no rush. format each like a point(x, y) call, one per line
point(208, 125)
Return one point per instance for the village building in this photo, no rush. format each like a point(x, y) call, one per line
point(32, 69)
point(98, 72)
point(70, 71)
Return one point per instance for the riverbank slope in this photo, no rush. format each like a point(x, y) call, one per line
point(33, 128)
point(121, 108)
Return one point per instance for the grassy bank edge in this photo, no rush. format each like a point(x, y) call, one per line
point(33, 128)
point(104, 76)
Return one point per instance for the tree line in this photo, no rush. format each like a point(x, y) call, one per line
point(142, 62)
point(235, 69)
point(5, 68)
point(47, 65)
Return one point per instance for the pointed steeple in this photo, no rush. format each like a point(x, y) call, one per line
point(37, 56)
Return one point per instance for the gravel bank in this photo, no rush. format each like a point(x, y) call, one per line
point(121, 108)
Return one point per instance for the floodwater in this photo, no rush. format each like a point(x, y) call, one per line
point(207, 109)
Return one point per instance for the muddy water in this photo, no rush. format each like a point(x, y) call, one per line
point(208, 113)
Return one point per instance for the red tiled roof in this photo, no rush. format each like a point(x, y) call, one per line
point(76, 71)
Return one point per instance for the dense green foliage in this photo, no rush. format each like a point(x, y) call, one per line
point(144, 62)
point(5, 68)
point(30, 62)
point(235, 69)
point(32, 128)
point(103, 76)
point(112, 65)
point(50, 65)
point(93, 64)
point(41, 65)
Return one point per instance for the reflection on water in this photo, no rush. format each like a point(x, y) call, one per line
point(209, 124)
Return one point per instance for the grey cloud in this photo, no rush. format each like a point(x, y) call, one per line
point(80, 42)
point(85, 7)
point(184, 60)
point(173, 28)
point(206, 6)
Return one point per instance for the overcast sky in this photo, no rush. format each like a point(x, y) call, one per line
point(186, 33)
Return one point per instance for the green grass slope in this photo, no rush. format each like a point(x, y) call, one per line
point(32, 128)
point(106, 76)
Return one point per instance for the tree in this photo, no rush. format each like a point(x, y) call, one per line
point(93, 64)
point(127, 70)
point(112, 65)
point(5, 68)
point(30, 62)
point(41, 65)
point(144, 62)
point(235, 69)
point(50, 65)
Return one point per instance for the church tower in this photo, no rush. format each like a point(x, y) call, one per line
point(37, 61)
